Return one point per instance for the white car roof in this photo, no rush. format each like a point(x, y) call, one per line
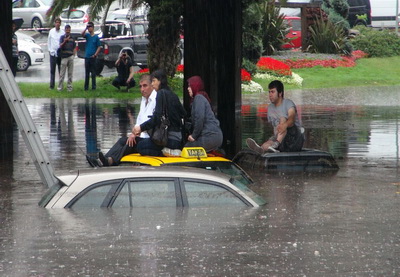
point(94, 175)
point(79, 181)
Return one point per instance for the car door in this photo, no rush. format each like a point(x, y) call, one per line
point(23, 9)
point(202, 193)
point(148, 193)
point(129, 193)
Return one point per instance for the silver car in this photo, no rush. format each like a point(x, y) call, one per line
point(149, 187)
point(77, 18)
point(33, 12)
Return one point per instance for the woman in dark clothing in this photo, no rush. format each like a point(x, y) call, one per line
point(205, 131)
point(175, 113)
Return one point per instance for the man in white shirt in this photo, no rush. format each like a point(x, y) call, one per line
point(127, 145)
point(53, 44)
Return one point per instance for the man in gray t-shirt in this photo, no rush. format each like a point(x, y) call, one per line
point(282, 114)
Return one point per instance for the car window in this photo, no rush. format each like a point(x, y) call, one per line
point(296, 25)
point(17, 4)
point(146, 193)
point(75, 14)
point(95, 196)
point(204, 194)
point(139, 29)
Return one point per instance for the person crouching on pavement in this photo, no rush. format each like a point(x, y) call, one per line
point(125, 71)
point(282, 113)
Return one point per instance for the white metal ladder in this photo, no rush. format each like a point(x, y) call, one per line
point(25, 123)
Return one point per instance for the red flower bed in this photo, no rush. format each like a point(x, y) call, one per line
point(246, 77)
point(274, 66)
point(179, 68)
point(345, 61)
point(142, 71)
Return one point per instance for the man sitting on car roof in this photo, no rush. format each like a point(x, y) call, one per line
point(127, 145)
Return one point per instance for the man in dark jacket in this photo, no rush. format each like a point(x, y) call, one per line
point(125, 71)
point(67, 53)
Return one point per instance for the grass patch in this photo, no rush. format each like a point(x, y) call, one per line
point(367, 72)
point(104, 89)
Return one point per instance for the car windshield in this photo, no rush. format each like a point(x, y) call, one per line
point(47, 2)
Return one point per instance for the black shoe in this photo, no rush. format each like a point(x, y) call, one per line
point(103, 159)
point(92, 161)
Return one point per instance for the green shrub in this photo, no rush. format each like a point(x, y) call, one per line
point(338, 20)
point(273, 27)
point(377, 43)
point(251, 32)
point(249, 66)
point(328, 38)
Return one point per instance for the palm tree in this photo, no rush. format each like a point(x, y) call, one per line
point(163, 34)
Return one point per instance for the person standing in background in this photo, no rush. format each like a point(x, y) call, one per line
point(14, 65)
point(67, 53)
point(92, 49)
point(53, 44)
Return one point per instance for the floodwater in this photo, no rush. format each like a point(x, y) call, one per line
point(343, 224)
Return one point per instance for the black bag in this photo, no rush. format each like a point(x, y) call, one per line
point(159, 134)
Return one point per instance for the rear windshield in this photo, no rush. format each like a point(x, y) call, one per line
point(228, 168)
point(74, 14)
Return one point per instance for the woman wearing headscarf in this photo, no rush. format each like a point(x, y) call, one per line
point(175, 113)
point(205, 131)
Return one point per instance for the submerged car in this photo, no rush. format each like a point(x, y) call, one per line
point(29, 53)
point(148, 187)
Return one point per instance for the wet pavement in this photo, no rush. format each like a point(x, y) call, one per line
point(343, 224)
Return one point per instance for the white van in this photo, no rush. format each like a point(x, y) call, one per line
point(383, 13)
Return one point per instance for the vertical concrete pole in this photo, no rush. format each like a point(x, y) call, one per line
point(213, 40)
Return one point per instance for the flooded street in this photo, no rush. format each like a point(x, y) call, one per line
point(342, 224)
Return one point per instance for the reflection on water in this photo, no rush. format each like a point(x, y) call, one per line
point(346, 224)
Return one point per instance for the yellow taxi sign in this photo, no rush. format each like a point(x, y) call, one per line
point(193, 152)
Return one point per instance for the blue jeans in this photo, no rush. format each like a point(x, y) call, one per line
point(90, 69)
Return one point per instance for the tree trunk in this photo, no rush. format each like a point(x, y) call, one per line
point(163, 35)
point(6, 118)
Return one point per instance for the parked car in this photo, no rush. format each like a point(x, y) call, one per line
point(77, 18)
point(120, 35)
point(29, 53)
point(33, 12)
point(294, 34)
point(137, 187)
point(359, 12)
